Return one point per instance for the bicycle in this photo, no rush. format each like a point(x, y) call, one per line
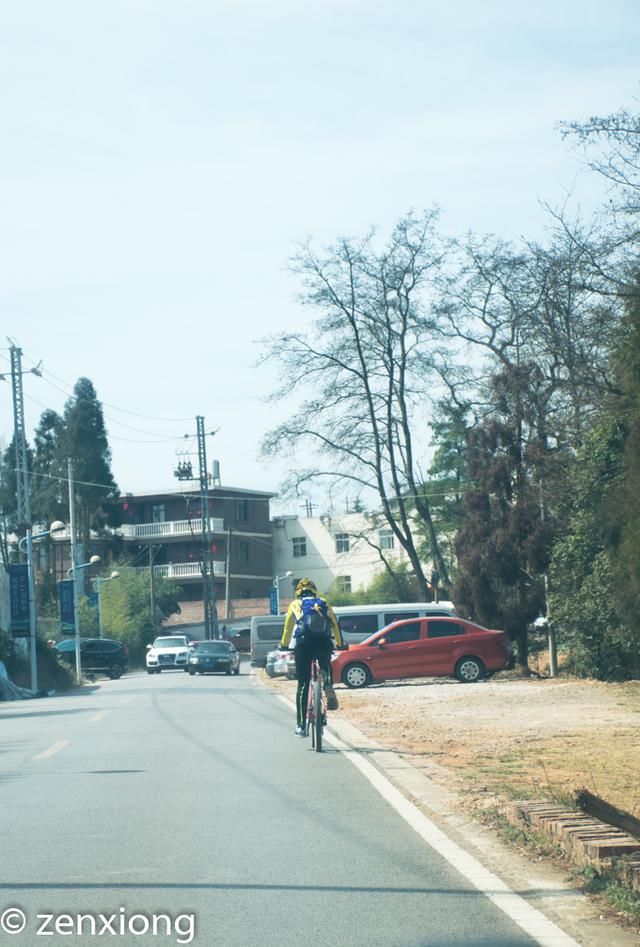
point(316, 706)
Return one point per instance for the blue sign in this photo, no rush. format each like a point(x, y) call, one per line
point(274, 601)
point(19, 594)
point(67, 613)
point(92, 599)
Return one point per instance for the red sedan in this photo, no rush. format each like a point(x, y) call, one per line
point(424, 647)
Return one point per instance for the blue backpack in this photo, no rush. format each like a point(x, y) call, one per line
point(314, 620)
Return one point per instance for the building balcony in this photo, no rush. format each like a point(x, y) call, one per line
point(171, 529)
point(184, 570)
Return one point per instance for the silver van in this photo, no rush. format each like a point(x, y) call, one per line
point(266, 632)
point(357, 622)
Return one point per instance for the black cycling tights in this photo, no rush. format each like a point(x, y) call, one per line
point(305, 652)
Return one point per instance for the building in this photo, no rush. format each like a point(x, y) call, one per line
point(164, 527)
point(334, 549)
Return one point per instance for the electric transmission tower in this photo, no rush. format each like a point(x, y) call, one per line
point(20, 438)
point(184, 471)
point(210, 609)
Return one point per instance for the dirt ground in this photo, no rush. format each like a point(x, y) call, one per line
point(508, 737)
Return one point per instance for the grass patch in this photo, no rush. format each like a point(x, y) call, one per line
point(536, 843)
point(605, 883)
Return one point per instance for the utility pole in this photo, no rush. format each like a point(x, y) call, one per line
point(74, 567)
point(227, 584)
point(184, 472)
point(208, 583)
point(22, 471)
point(22, 496)
point(152, 587)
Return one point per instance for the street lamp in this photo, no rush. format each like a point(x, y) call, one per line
point(276, 585)
point(97, 582)
point(28, 540)
point(76, 622)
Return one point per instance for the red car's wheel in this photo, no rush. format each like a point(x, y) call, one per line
point(356, 675)
point(469, 670)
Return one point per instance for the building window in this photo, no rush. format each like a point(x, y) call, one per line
point(386, 538)
point(342, 542)
point(243, 552)
point(299, 546)
point(242, 511)
point(157, 513)
point(344, 583)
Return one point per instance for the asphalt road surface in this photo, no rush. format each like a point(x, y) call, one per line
point(188, 806)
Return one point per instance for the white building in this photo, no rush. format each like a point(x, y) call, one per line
point(334, 548)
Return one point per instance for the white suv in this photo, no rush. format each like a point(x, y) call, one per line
point(168, 652)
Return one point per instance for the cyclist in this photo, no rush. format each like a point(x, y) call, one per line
point(313, 625)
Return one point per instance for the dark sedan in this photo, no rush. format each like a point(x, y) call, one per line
point(211, 656)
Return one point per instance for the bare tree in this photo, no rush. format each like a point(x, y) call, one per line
point(365, 372)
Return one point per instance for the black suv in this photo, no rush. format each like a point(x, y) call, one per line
point(97, 655)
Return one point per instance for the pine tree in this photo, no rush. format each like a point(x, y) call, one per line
point(504, 542)
point(49, 499)
point(84, 440)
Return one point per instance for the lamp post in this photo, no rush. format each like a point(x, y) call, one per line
point(97, 582)
point(76, 623)
point(28, 541)
point(276, 585)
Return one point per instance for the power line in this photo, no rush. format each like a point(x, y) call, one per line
point(114, 407)
point(115, 437)
point(108, 417)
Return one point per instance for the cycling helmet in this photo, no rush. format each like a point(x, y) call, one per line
point(306, 586)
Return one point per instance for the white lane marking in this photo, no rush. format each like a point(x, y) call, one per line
point(98, 716)
point(60, 745)
point(530, 919)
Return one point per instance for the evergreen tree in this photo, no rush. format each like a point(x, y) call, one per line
point(9, 483)
point(49, 499)
point(503, 544)
point(624, 536)
point(584, 600)
point(84, 440)
point(448, 475)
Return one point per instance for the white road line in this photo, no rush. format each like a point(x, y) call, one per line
point(98, 716)
point(60, 745)
point(532, 921)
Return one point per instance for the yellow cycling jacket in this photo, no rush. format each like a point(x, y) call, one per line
point(294, 614)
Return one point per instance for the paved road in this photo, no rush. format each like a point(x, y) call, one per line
point(183, 796)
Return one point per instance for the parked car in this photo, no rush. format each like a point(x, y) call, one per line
point(167, 653)
point(240, 638)
point(357, 622)
point(210, 656)
point(97, 655)
point(281, 663)
point(428, 647)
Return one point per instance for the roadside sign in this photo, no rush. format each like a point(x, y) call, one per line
point(65, 597)
point(19, 594)
point(274, 601)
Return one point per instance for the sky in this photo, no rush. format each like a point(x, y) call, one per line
point(160, 161)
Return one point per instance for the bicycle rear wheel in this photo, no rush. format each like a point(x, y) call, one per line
point(311, 730)
point(317, 715)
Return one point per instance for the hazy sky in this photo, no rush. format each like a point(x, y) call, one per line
point(159, 160)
